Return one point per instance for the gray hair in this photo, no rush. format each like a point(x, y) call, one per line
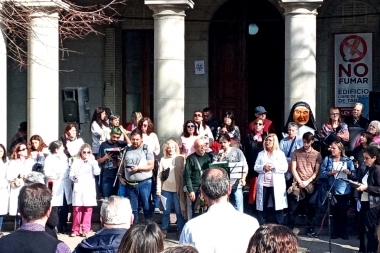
point(376, 123)
point(215, 186)
point(116, 211)
point(293, 124)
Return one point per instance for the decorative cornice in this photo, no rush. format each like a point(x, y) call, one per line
point(297, 7)
point(169, 7)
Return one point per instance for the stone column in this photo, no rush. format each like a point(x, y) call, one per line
point(43, 72)
point(169, 65)
point(300, 52)
point(3, 85)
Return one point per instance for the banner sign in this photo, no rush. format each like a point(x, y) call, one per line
point(353, 68)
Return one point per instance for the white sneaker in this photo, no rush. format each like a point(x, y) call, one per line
point(157, 211)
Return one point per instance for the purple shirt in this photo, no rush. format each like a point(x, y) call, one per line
point(61, 247)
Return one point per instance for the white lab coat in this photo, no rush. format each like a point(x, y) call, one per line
point(15, 168)
point(57, 171)
point(84, 193)
point(4, 188)
point(279, 184)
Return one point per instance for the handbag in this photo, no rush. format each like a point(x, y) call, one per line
point(165, 174)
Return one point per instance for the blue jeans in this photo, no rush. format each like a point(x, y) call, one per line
point(107, 186)
point(122, 192)
point(156, 200)
point(140, 193)
point(1, 221)
point(236, 199)
point(172, 197)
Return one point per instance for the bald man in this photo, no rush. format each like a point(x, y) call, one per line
point(196, 163)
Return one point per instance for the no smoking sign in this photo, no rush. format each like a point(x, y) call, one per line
point(353, 48)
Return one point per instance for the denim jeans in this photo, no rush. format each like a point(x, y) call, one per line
point(1, 221)
point(156, 200)
point(172, 197)
point(107, 186)
point(122, 192)
point(236, 199)
point(140, 193)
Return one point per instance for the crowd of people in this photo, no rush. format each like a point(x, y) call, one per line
point(202, 174)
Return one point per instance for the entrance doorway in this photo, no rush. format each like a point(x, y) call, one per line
point(247, 70)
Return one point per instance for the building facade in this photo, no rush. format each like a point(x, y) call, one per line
point(137, 64)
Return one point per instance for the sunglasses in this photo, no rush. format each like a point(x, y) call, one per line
point(259, 124)
point(22, 149)
point(190, 126)
point(197, 115)
point(86, 152)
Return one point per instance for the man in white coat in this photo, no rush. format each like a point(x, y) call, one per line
point(222, 229)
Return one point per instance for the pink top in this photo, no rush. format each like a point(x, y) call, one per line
point(186, 145)
point(268, 176)
point(376, 139)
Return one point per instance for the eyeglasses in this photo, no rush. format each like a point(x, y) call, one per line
point(259, 124)
point(334, 114)
point(367, 158)
point(22, 149)
point(86, 152)
point(190, 126)
point(371, 126)
point(269, 140)
point(197, 115)
point(145, 125)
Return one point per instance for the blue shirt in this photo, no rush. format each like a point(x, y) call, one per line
point(340, 187)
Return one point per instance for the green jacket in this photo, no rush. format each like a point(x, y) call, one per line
point(192, 175)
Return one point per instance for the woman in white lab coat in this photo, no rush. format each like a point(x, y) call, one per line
point(4, 185)
point(18, 168)
point(82, 173)
point(57, 173)
point(271, 164)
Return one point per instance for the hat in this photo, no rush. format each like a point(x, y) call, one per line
point(260, 110)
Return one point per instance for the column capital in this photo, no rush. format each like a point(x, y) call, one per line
point(169, 7)
point(295, 7)
point(43, 4)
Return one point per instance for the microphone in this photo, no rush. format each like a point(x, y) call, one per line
point(353, 159)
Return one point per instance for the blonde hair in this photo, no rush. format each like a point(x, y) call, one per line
point(166, 144)
point(276, 146)
point(85, 145)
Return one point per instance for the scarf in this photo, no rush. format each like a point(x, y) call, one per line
point(257, 136)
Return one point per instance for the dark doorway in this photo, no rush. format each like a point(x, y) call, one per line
point(247, 70)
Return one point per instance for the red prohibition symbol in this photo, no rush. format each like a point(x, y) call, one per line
point(353, 48)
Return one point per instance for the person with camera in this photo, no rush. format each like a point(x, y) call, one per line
point(108, 159)
point(170, 185)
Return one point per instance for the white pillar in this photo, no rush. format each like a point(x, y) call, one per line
point(300, 52)
point(3, 85)
point(43, 74)
point(169, 65)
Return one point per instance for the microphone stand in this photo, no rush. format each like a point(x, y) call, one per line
point(329, 198)
point(121, 158)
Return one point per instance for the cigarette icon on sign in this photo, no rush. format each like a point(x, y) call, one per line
point(353, 49)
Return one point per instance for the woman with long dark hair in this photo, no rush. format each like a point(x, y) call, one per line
point(99, 129)
point(186, 141)
point(201, 127)
point(4, 185)
point(38, 149)
point(370, 199)
point(57, 172)
point(70, 140)
point(229, 123)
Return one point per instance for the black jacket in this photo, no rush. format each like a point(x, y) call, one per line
point(105, 241)
point(374, 186)
point(251, 150)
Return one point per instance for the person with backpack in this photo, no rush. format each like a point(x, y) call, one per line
point(138, 163)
